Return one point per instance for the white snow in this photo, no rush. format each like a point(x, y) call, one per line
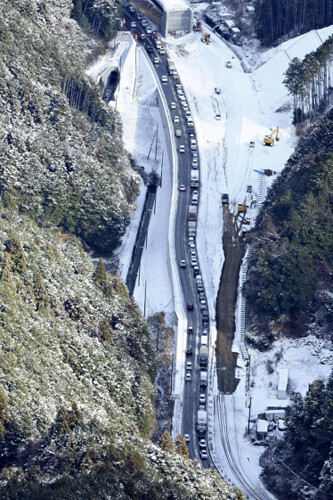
point(250, 104)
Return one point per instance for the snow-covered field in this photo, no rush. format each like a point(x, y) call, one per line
point(250, 104)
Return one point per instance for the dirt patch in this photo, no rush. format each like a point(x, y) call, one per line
point(234, 250)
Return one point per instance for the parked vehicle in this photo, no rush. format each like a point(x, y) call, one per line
point(202, 420)
point(203, 379)
point(194, 178)
point(203, 356)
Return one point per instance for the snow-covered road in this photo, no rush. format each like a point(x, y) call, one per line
point(249, 103)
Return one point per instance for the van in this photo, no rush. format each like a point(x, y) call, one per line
point(204, 340)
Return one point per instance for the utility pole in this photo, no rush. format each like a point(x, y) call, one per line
point(145, 296)
point(161, 169)
point(152, 142)
point(156, 143)
point(248, 420)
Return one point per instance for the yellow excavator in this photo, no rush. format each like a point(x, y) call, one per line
point(269, 139)
point(206, 38)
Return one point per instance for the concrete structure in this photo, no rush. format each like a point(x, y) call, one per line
point(283, 383)
point(169, 15)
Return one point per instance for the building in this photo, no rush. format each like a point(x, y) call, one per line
point(262, 429)
point(283, 383)
point(169, 15)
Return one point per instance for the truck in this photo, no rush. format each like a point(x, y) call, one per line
point(203, 378)
point(194, 178)
point(192, 227)
point(225, 199)
point(192, 212)
point(202, 420)
point(203, 355)
point(170, 66)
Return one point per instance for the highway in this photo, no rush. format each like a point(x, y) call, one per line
point(192, 389)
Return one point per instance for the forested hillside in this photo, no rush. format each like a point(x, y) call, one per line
point(301, 465)
point(289, 285)
point(77, 364)
point(62, 158)
point(277, 18)
point(76, 380)
point(309, 82)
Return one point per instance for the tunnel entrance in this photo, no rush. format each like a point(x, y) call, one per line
point(111, 85)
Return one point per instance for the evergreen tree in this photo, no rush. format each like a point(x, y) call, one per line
point(100, 276)
point(181, 447)
point(105, 331)
point(17, 255)
point(7, 266)
point(166, 442)
point(4, 414)
point(40, 292)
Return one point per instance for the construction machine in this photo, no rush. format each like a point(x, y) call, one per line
point(269, 138)
point(206, 38)
point(197, 26)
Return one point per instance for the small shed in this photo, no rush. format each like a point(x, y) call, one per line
point(283, 383)
point(229, 24)
point(274, 415)
point(262, 429)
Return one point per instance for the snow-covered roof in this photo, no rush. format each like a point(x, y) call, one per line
point(229, 23)
point(173, 4)
point(262, 426)
point(283, 379)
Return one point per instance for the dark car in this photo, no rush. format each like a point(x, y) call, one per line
point(205, 315)
point(205, 323)
point(189, 352)
point(196, 270)
point(150, 49)
point(201, 434)
point(190, 306)
point(200, 288)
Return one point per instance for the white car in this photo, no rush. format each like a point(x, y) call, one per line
point(182, 187)
point(156, 60)
point(162, 51)
point(187, 438)
point(133, 24)
point(218, 116)
point(229, 64)
point(183, 263)
point(252, 144)
point(164, 79)
point(176, 119)
point(182, 148)
point(173, 105)
point(203, 454)
point(188, 377)
point(202, 399)
point(202, 443)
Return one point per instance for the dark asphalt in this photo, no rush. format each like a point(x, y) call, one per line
point(192, 389)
